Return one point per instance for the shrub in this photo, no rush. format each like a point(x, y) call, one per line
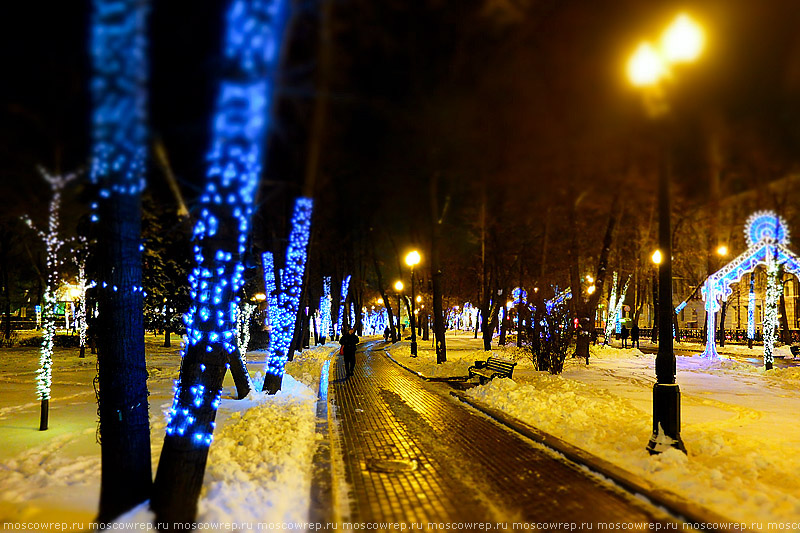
point(60, 341)
point(550, 336)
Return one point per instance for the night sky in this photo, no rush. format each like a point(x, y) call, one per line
point(527, 98)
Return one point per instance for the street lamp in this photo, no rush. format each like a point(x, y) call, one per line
point(398, 286)
point(656, 259)
point(647, 68)
point(412, 259)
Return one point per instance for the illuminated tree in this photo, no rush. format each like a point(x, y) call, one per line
point(119, 153)
point(283, 296)
point(345, 288)
point(53, 244)
point(253, 36)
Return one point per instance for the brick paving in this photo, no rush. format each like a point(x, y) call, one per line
point(413, 454)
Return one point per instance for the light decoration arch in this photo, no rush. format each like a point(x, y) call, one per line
point(767, 237)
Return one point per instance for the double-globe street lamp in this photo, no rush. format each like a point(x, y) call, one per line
point(648, 68)
point(412, 259)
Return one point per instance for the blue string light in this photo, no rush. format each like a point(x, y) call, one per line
point(284, 300)
point(119, 115)
point(325, 307)
point(751, 309)
point(345, 288)
point(118, 47)
point(254, 32)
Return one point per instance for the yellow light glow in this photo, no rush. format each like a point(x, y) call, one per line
point(646, 66)
point(74, 293)
point(722, 250)
point(589, 278)
point(398, 286)
point(536, 289)
point(591, 289)
point(419, 298)
point(683, 41)
point(259, 297)
point(412, 258)
point(656, 257)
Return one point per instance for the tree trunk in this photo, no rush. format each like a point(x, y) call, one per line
point(589, 309)
point(382, 291)
point(4, 244)
point(126, 475)
point(240, 376)
point(240, 119)
point(119, 158)
point(722, 312)
point(436, 272)
point(488, 326)
point(785, 333)
point(503, 327)
point(167, 341)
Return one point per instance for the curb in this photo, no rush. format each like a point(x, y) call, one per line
point(321, 505)
point(421, 376)
point(688, 512)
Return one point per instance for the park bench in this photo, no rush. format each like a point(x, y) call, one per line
point(491, 368)
point(795, 350)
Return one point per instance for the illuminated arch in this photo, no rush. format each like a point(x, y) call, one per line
point(767, 237)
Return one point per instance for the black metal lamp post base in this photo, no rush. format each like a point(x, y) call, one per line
point(666, 419)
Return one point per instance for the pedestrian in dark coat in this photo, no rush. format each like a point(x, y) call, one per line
point(349, 341)
point(635, 336)
point(624, 337)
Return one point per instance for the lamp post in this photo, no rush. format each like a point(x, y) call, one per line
point(412, 259)
point(656, 258)
point(682, 42)
point(398, 286)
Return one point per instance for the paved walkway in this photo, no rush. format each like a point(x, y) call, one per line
point(412, 454)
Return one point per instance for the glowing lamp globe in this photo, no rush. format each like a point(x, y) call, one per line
point(646, 66)
point(412, 258)
point(656, 257)
point(683, 40)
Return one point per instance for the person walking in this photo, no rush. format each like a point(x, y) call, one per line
point(635, 336)
point(349, 341)
point(624, 336)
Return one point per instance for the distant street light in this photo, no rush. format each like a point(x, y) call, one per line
point(412, 259)
point(656, 257)
point(648, 66)
point(722, 250)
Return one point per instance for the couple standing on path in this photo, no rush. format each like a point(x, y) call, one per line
point(634, 336)
point(349, 341)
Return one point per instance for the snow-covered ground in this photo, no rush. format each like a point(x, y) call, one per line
point(259, 467)
point(739, 422)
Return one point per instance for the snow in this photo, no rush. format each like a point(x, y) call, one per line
point(738, 420)
point(259, 466)
point(738, 425)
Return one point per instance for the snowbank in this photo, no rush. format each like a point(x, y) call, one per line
point(259, 467)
